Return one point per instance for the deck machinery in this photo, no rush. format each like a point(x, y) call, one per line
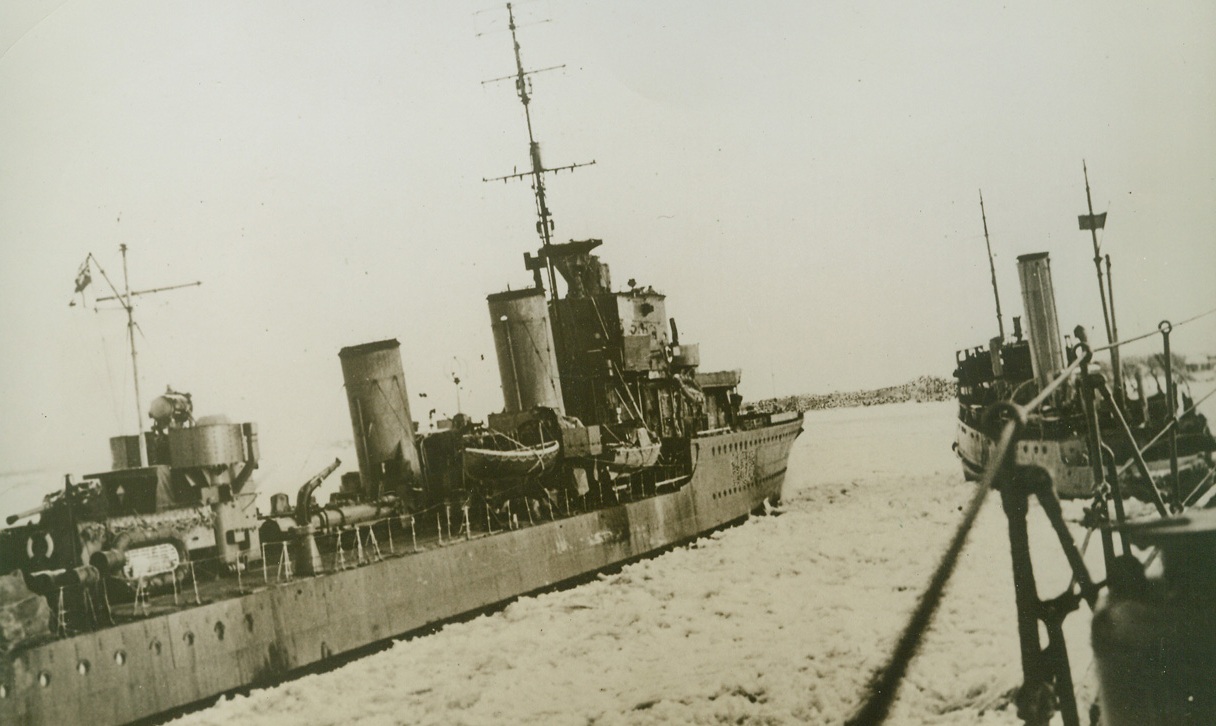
point(136, 528)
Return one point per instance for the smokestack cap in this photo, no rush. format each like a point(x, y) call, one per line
point(365, 348)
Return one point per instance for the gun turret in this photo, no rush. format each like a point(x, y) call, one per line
point(27, 513)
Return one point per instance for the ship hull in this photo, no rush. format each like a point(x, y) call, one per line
point(1065, 459)
point(150, 666)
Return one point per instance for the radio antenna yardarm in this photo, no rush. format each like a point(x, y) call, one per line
point(523, 87)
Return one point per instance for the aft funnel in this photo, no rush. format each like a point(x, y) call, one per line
point(380, 415)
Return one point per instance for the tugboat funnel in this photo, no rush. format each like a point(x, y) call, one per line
point(1039, 304)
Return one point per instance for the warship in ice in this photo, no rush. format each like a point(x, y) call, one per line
point(141, 590)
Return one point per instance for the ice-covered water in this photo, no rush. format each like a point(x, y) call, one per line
point(779, 621)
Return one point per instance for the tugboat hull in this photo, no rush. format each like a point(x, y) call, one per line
point(1064, 460)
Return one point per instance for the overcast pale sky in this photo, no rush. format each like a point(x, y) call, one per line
point(801, 178)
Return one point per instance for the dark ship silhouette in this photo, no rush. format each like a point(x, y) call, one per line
point(155, 585)
point(1150, 437)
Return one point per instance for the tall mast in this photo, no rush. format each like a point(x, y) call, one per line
point(1094, 222)
point(126, 303)
point(125, 299)
point(1000, 323)
point(544, 224)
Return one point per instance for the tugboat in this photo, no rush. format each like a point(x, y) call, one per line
point(612, 445)
point(1014, 369)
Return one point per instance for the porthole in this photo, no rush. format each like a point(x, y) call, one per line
point(219, 630)
point(189, 638)
point(120, 657)
point(155, 646)
point(44, 679)
point(83, 667)
point(249, 622)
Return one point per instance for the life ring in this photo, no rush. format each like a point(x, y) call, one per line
point(35, 545)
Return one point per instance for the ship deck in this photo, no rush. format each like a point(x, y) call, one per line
point(221, 633)
point(201, 582)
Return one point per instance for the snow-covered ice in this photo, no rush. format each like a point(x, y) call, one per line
point(779, 621)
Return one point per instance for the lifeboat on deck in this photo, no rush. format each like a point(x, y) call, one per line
point(639, 452)
point(519, 461)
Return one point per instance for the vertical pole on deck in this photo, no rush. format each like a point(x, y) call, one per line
point(1171, 397)
point(1116, 361)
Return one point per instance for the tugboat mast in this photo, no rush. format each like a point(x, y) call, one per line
point(1093, 223)
point(1000, 323)
point(544, 224)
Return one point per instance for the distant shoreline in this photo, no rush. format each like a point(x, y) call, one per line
point(921, 390)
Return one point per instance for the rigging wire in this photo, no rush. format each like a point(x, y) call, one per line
point(541, 359)
point(1151, 333)
point(1166, 429)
